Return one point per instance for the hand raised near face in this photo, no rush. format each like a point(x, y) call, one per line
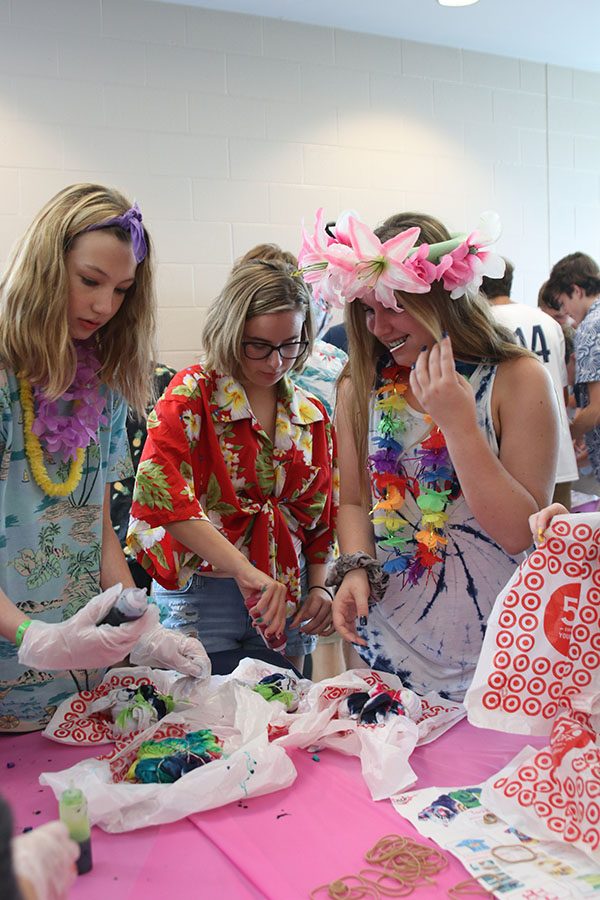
point(445, 395)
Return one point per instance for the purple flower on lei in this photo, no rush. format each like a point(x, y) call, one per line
point(63, 435)
point(415, 572)
point(385, 460)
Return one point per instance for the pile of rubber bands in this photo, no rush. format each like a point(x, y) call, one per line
point(397, 866)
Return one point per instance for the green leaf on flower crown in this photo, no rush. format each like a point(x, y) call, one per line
point(152, 486)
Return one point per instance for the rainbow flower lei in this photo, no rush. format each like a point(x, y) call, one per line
point(434, 487)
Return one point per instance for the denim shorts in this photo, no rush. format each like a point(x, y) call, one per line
point(213, 610)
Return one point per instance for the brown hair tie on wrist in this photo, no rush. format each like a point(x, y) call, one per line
point(321, 587)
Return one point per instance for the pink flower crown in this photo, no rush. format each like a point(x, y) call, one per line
point(354, 263)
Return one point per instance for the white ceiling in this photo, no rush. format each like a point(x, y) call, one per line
point(562, 32)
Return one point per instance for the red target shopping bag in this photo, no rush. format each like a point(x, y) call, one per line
point(554, 793)
point(541, 652)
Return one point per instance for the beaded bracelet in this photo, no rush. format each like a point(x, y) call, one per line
point(346, 562)
point(321, 587)
point(22, 628)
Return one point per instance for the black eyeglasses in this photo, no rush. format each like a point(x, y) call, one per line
point(262, 349)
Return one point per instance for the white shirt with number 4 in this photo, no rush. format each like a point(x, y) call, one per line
point(540, 333)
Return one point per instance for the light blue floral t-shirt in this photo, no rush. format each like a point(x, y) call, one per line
point(50, 550)
point(587, 370)
point(321, 372)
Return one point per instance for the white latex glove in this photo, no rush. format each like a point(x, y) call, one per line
point(78, 643)
point(167, 649)
point(46, 857)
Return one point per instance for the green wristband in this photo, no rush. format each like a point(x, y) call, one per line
point(21, 631)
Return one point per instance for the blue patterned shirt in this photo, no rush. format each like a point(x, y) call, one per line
point(321, 372)
point(587, 371)
point(50, 550)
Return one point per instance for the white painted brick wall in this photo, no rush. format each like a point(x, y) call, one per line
point(223, 31)
point(230, 129)
point(493, 71)
point(366, 51)
point(303, 43)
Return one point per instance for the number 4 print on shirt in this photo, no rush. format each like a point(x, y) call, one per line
point(538, 339)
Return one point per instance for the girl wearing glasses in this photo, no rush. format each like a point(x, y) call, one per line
point(234, 491)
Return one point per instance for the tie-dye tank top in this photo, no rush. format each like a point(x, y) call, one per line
point(430, 634)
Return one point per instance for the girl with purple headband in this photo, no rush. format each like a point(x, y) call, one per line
point(76, 340)
point(447, 443)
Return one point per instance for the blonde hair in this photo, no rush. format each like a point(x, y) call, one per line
point(268, 252)
point(476, 336)
point(254, 288)
point(34, 334)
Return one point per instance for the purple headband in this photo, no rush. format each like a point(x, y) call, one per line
point(130, 221)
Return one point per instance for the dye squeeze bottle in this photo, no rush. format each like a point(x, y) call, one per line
point(131, 604)
point(72, 810)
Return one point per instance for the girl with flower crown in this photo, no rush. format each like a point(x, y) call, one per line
point(76, 331)
point(234, 491)
point(448, 438)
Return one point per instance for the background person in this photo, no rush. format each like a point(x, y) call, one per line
point(575, 284)
point(538, 332)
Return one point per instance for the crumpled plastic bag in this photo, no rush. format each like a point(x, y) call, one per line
point(82, 719)
point(383, 747)
point(553, 793)
point(250, 765)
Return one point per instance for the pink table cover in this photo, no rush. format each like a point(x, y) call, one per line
point(278, 847)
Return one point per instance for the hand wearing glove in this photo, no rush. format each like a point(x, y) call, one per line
point(45, 860)
point(168, 649)
point(78, 642)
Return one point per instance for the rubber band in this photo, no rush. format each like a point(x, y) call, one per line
point(398, 866)
point(520, 848)
point(490, 819)
point(468, 888)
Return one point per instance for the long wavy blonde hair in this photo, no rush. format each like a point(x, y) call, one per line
point(475, 335)
point(34, 335)
point(254, 288)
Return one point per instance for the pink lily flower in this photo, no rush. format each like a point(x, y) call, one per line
point(466, 266)
point(311, 257)
point(314, 263)
point(381, 268)
point(342, 227)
